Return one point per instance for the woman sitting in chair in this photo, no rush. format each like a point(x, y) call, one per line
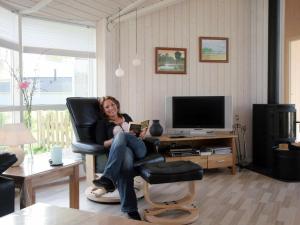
point(124, 148)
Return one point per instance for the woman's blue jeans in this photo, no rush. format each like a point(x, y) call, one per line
point(125, 149)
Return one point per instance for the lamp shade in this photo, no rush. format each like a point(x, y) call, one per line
point(15, 134)
point(119, 72)
point(136, 61)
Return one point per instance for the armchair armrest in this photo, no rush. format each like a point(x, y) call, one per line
point(88, 148)
point(6, 160)
point(152, 143)
point(151, 158)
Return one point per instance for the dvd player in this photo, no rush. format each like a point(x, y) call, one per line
point(184, 152)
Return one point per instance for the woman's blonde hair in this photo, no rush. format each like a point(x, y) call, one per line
point(105, 98)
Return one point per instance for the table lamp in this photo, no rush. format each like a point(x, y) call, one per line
point(14, 135)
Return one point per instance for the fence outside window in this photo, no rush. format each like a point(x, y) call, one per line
point(49, 127)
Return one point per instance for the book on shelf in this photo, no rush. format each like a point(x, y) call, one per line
point(206, 151)
point(137, 127)
point(220, 150)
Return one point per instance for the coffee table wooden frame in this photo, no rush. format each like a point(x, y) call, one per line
point(27, 180)
point(44, 214)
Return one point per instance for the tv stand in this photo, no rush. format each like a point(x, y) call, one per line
point(207, 161)
point(177, 136)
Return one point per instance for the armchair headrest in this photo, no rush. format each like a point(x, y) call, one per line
point(84, 111)
point(84, 114)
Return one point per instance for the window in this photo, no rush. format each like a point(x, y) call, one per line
point(6, 117)
point(59, 77)
point(61, 58)
point(8, 60)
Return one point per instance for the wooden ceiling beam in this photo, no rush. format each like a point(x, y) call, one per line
point(126, 10)
point(41, 4)
point(143, 11)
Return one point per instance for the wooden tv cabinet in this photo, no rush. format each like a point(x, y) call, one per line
point(207, 162)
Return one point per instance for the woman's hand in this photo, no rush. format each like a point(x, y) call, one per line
point(108, 143)
point(143, 132)
point(132, 133)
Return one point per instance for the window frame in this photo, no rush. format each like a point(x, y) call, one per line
point(17, 106)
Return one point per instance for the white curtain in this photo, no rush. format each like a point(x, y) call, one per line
point(47, 37)
point(54, 35)
point(8, 28)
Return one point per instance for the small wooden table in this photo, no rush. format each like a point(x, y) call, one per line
point(33, 173)
point(41, 213)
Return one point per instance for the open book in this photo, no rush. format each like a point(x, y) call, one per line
point(137, 127)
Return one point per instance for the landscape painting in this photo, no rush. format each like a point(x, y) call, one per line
point(170, 60)
point(213, 49)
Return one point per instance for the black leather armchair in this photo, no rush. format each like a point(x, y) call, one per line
point(7, 186)
point(84, 114)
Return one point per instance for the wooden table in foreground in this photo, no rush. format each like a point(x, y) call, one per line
point(224, 139)
point(33, 173)
point(44, 214)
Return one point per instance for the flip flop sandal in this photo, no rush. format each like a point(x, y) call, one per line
point(98, 192)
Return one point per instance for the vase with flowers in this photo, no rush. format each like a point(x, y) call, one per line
point(27, 87)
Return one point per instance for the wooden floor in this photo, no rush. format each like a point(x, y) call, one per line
point(246, 198)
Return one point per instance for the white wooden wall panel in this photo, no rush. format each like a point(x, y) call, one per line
point(192, 55)
point(112, 83)
point(148, 68)
point(133, 79)
point(142, 92)
point(156, 79)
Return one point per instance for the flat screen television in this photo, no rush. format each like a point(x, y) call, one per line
point(208, 113)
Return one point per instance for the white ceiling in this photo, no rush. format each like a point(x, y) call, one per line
point(85, 12)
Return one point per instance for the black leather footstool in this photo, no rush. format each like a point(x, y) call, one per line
point(168, 172)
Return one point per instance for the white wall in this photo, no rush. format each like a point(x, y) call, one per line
point(295, 74)
point(142, 92)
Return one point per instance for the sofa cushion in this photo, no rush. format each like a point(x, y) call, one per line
point(7, 196)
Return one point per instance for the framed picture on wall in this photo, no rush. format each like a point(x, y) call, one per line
point(170, 60)
point(213, 49)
